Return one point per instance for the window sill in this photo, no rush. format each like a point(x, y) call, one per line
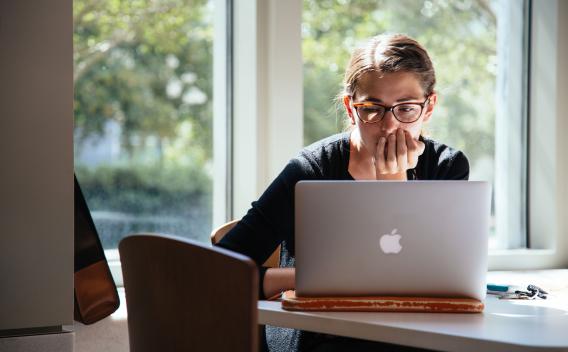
point(525, 259)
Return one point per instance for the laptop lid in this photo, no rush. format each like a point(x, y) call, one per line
point(420, 238)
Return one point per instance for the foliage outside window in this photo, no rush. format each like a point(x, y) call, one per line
point(143, 115)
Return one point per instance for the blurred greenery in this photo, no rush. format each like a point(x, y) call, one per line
point(460, 36)
point(145, 189)
point(145, 66)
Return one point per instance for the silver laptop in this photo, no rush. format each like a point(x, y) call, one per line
point(420, 238)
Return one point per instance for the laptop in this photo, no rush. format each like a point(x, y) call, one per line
point(389, 238)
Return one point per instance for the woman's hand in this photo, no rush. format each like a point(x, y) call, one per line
point(396, 154)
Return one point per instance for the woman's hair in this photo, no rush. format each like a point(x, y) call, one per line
point(389, 53)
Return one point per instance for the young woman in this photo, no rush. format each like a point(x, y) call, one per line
point(388, 96)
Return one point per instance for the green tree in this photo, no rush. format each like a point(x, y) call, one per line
point(129, 55)
point(147, 66)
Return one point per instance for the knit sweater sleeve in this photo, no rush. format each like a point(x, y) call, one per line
point(441, 162)
point(270, 220)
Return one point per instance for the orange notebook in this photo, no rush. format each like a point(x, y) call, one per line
point(381, 304)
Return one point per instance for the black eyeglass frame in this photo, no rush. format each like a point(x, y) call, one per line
point(387, 109)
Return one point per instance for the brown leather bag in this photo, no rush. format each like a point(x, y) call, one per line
point(96, 296)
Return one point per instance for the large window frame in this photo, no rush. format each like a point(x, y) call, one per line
point(223, 112)
point(547, 242)
point(511, 140)
point(268, 119)
point(268, 95)
point(258, 119)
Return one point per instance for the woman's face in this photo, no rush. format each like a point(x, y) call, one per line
point(388, 89)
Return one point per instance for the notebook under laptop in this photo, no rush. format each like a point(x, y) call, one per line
point(420, 238)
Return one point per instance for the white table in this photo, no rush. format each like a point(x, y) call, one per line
point(539, 325)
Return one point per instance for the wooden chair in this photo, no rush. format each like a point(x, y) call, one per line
point(272, 262)
point(179, 296)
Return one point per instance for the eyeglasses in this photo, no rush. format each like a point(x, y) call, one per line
point(369, 112)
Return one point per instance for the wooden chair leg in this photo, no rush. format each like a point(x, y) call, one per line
point(262, 343)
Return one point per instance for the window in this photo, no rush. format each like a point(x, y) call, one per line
point(144, 115)
point(267, 105)
point(269, 123)
point(480, 53)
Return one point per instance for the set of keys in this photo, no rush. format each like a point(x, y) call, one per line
point(532, 292)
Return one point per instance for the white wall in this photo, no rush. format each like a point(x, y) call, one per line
point(268, 95)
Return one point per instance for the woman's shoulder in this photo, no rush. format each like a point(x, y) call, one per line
point(327, 147)
point(443, 151)
point(443, 161)
point(326, 158)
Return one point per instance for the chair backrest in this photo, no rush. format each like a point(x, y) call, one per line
point(272, 262)
point(181, 297)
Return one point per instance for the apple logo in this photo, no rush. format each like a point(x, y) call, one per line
point(390, 243)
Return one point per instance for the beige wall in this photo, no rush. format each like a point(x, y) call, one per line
point(36, 164)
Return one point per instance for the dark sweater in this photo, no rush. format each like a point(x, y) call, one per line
point(270, 220)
